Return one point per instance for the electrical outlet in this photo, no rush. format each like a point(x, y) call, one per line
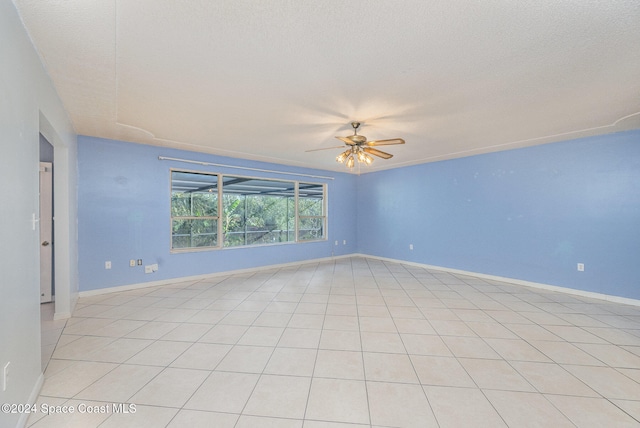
point(411, 246)
point(132, 263)
point(580, 267)
point(148, 269)
point(5, 376)
point(344, 242)
point(139, 262)
point(336, 242)
point(107, 265)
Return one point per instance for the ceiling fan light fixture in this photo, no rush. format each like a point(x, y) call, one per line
point(350, 161)
point(343, 156)
point(368, 159)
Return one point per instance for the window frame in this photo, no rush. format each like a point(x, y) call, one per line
point(221, 237)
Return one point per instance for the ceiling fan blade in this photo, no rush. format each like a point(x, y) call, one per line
point(376, 152)
point(325, 148)
point(346, 140)
point(385, 142)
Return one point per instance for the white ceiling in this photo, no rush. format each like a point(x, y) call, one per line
point(268, 80)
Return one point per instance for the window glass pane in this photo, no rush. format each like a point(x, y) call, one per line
point(258, 211)
point(233, 223)
point(193, 194)
point(189, 233)
point(310, 199)
point(310, 228)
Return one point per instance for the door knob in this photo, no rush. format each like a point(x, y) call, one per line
point(45, 243)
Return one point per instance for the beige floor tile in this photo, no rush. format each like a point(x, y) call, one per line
point(531, 332)
point(119, 384)
point(279, 396)
point(406, 312)
point(338, 400)
point(462, 407)
point(574, 334)
point(606, 381)
point(491, 330)
point(611, 355)
point(74, 378)
point(341, 322)
point(226, 334)
point(246, 359)
point(306, 321)
point(81, 347)
point(86, 325)
point(495, 374)
point(292, 362)
point(239, 318)
point(223, 392)
point(412, 326)
point(517, 350)
point(507, 317)
point(399, 405)
point(373, 311)
point(300, 338)
point(340, 340)
point(452, 328)
point(171, 388)
point(524, 409)
point(159, 353)
point(550, 378)
point(632, 408)
point(377, 324)
point(247, 421)
point(202, 356)
point(261, 336)
point(445, 371)
point(272, 319)
point(565, 353)
point(422, 344)
point(382, 342)
point(389, 368)
point(469, 347)
point(187, 332)
point(615, 336)
point(120, 350)
point(152, 330)
point(149, 416)
point(339, 365)
point(324, 424)
point(592, 412)
point(207, 316)
point(201, 419)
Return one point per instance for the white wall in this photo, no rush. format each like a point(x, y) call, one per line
point(29, 105)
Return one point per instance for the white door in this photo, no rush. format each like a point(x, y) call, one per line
point(46, 231)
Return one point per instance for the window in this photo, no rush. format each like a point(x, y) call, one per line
point(254, 211)
point(194, 210)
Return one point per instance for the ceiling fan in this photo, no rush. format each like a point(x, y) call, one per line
point(360, 149)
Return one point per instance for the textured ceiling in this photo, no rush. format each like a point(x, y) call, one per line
point(268, 80)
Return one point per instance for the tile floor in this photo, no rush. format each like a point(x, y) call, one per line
point(354, 342)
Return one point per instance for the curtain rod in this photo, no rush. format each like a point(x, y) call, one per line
point(243, 167)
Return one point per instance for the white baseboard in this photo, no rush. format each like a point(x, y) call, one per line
point(204, 276)
point(556, 288)
point(35, 392)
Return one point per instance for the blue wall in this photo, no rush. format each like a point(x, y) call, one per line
point(124, 214)
point(529, 214)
